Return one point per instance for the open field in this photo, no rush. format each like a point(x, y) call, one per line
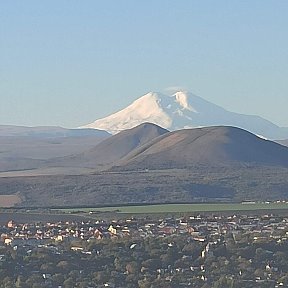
point(9, 200)
point(28, 217)
point(80, 213)
point(185, 208)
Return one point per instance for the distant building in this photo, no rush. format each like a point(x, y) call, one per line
point(112, 230)
point(11, 224)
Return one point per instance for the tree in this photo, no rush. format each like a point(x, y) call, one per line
point(20, 282)
point(7, 282)
point(68, 283)
point(34, 280)
point(166, 259)
point(64, 266)
point(152, 264)
point(101, 277)
point(132, 268)
point(57, 279)
point(222, 282)
point(48, 268)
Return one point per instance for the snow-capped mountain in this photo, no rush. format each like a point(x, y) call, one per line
point(183, 110)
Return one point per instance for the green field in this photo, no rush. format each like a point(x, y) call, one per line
point(185, 208)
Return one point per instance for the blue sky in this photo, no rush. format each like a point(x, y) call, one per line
point(70, 62)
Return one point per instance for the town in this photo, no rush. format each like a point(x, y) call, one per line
point(187, 251)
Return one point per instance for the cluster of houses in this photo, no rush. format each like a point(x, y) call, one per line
point(200, 227)
point(209, 230)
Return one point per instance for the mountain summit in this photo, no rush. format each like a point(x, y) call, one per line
point(184, 110)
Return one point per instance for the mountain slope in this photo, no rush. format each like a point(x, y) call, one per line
point(206, 147)
point(283, 142)
point(184, 110)
point(144, 109)
point(114, 148)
